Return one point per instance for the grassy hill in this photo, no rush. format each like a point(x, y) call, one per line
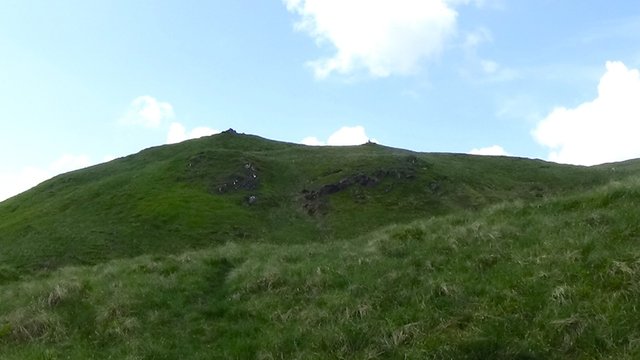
point(234, 246)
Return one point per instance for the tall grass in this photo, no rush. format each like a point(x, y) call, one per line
point(558, 278)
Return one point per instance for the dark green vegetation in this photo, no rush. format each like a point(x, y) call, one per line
point(238, 247)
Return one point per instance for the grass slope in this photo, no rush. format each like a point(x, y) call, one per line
point(235, 247)
point(556, 278)
point(197, 194)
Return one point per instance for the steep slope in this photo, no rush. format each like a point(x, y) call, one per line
point(557, 278)
point(233, 187)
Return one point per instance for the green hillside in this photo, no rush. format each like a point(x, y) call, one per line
point(236, 247)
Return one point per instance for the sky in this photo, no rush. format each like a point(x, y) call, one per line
point(83, 82)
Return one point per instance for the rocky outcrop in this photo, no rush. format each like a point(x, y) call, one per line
point(247, 181)
point(315, 201)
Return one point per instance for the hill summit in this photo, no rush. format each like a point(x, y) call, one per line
point(240, 187)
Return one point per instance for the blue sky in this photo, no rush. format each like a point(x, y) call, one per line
point(82, 82)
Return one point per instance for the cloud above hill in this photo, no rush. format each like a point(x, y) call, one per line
point(178, 133)
point(145, 111)
point(15, 182)
point(495, 150)
point(604, 129)
point(383, 37)
point(148, 112)
point(347, 135)
point(151, 113)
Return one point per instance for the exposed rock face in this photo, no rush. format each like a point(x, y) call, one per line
point(360, 179)
point(247, 181)
point(204, 168)
point(315, 200)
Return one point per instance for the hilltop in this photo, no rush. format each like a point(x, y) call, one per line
point(231, 186)
point(235, 246)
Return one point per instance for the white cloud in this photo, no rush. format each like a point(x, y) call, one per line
point(602, 130)
point(355, 135)
point(345, 136)
point(312, 141)
point(383, 37)
point(495, 150)
point(15, 182)
point(147, 111)
point(178, 133)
